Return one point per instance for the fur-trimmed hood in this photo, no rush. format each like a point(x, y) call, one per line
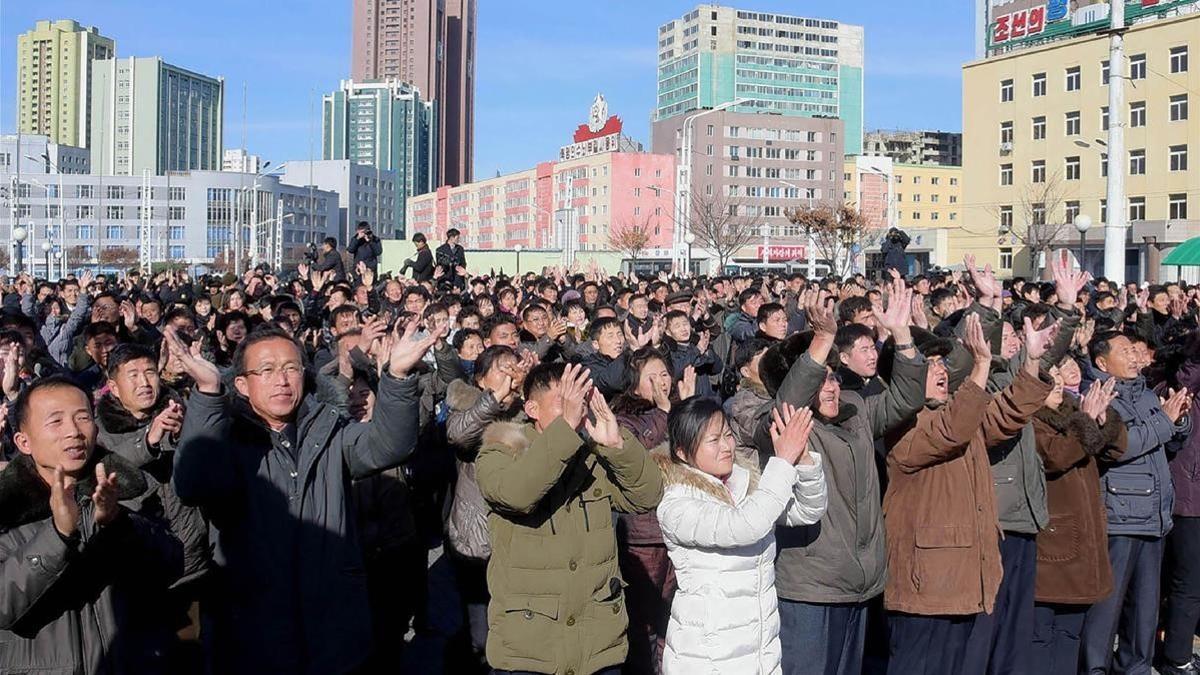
point(675, 473)
point(115, 419)
point(512, 436)
point(461, 395)
point(1069, 419)
point(25, 497)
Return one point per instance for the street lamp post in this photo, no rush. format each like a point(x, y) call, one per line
point(689, 239)
point(518, 249)
point(684, 173)
point(1082, 223)
point(46, 248)
point(62, 211)
point(19, 234)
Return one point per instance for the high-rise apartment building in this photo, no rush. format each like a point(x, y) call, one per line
point(933, 148)
point(54, 79)
point(237, 159)
point(429, 44)
point(782, 64)
point(1035, 153)
point(387, 125)
point(150, 115)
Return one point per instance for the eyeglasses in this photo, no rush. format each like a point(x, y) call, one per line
point(289, 371)
point(833, 377)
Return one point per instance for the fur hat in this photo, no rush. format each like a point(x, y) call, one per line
point(778, 359)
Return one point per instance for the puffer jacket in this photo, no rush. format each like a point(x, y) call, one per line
point(1138, 493)
point(1072, 553)
point(91, 605)
point(720, 536)
point(120, 432)
point(842, 559)
point(557, 601)
point(471, 411)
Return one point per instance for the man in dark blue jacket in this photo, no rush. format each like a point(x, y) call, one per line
point(365, 247)
point(1139, 498)
point(271, 468)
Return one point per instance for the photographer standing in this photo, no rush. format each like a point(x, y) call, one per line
point(452, 259)
point(365, 247)
point(894, 243)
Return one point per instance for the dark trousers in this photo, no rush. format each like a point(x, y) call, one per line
point(395, 586)
point(1183, 589)
point(651, 578)
point(1056, 640)
point(607, 671)
point(821, 639)
point(928, 645)
point(1000, 642)
point(1132, 606)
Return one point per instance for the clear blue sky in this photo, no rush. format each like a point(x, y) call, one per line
point(539, 62)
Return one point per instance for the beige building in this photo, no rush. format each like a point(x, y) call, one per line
point(922, 200)
point(1034, 128)
point(54, 79)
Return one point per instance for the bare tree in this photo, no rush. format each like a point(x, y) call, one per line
point(77, 256)
point(630, 237)
point(834, 231)
point(4, 259)
point(119, 256)
point(1042, 218)
point(721, 224)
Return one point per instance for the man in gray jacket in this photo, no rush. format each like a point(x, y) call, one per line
point(83, 569)
point(271, 468)
point(1139, 498)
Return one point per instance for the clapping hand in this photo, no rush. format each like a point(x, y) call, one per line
point(206, 375)
point(167, 422)
point(406, 351)
point(984, 280)
point(1037, 342)
point(574, 387)
point(604, 430)
point(819, 312)
point(790, 429)
point(1176, 404)
point(687, 383)
point(1067, 281)
point(1095, 402)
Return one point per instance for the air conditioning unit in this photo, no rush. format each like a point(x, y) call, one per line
point(1006, 148)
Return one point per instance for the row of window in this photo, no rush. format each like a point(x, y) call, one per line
point(1177, 209)
point(1177, 160)
point(1177, 111)
point(1073, 75)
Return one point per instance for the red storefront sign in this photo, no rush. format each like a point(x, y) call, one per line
point(1019, 24)
point(783, 253)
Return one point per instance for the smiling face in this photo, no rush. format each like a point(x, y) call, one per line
point(136, 385)
point(1010, 344)
point(58, 430)
point(827, 397)
point(714, 448)
point(862, 358)
point(1122, 360)
point(610, 342)
point(537, 322)
point(273, 380)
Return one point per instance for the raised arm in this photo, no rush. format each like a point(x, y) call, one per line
point(636, 479)
point(693, 522)
point(204, 460)
point(514, 480)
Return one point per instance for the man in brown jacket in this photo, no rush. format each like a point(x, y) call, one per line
point(940, 509)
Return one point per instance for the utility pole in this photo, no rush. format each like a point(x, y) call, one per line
point(1115, 221)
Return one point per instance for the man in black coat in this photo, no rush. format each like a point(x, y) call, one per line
point(330, 260)
point(365, 247)
point(422, 267)
point(452, 259)
point(893, 246)
point(271, 467)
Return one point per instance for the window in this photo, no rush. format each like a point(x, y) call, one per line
point(1179, 59)
point(1072, 211)
point(85, 231)
point(1104, 73)
point(916, 180)
point(1177, 207)
point(1137, 208)
point(1073, 169)
point(1104, 165)
point(1006, 218)
point(1006, 174)
point(177, 193)
point(1137, 162)
point(1038, 213)
point(916, 198)
point(1137, 114)
point(1178, 157)
point(1038, 171)
point(934, 198)
point(1104, 118)
point(1039, 128)
point(710, 133)
point(114, 232)
point(1039, 84)
point(933, 216)
point(115, 191)
point(1073, 79)
point(935, 180)
point(1179, 108)
point(1103, 210)
point(85, 191)
point(1137, 67)
point(1006, 136)
point(114, 212)
point(1006, 258)
point(176, 213)
point(85, 212)
point(1006, 91)
point(954, 181)
point(176, 252)
point(1072, 123)
point(175, 232)
point(953, 200)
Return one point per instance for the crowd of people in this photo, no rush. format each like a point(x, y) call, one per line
point(945, 473)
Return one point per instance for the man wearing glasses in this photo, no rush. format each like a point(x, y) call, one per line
point(271, 467)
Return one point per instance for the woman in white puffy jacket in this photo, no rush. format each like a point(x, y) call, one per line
point(718, 520)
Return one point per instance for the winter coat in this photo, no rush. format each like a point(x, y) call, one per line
point(842, 559)
point(556, 588)
point(330, 260)
point(366, 251)
point(743, 410)
point(471, 411)
point(122, 433)
point(943, 536)
point(740, 326)
point(648, 424)
point(1185, 464)
point(421, 266)
point(1072, 553)
point(1138, 493)
point(893, 252)
point(607, 374)
point(93, 603)
point(450, 258)
point(721, 539)
point(289, 595)
point(707, 365)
